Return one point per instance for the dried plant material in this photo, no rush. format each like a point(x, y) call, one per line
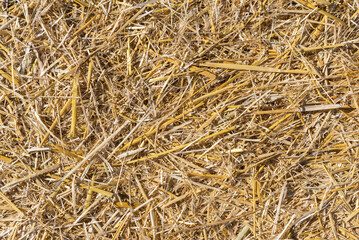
point(38, 173)
point(179, 119)
point(251, 68)
point(308, 108)
point(243, 233)
point(9, 78)
point(92, 153)
point(311, 6)
point(11, 204)
point(53, 125)
point(74, 107)
point(308, 49)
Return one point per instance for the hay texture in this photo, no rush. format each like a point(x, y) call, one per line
point(168, 119)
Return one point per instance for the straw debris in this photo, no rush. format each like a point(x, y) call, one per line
point(188, 119)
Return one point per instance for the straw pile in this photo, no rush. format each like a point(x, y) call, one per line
point(179, 119)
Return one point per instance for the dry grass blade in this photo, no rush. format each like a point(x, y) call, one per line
point(303, 109)
point(251, 68)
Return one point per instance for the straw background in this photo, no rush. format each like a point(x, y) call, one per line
point(168, 119)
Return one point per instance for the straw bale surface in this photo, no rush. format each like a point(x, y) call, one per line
point(168, 119)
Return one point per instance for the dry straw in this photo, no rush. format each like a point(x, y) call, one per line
point(168, 119)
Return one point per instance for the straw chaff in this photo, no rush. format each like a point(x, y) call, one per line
point(187, 119)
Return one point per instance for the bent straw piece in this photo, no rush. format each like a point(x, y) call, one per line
point(251, 68)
